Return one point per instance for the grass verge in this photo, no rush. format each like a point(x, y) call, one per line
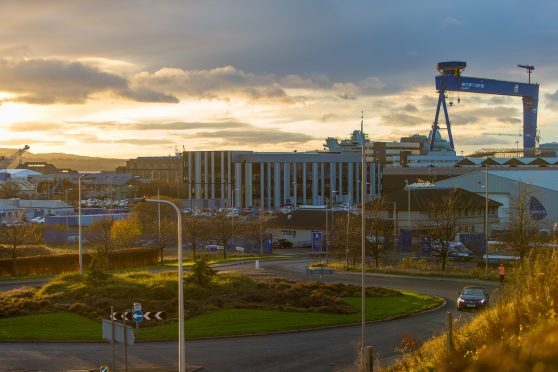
point(424, 271)
point(225, 322)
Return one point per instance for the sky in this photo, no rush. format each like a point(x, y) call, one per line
point(141, 78)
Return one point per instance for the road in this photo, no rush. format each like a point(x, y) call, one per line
point(316, 350)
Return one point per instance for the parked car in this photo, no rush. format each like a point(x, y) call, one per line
point(456, 251)
point(282, 244)
point(472, 298)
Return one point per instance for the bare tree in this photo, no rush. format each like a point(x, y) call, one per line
point(523, 229)
point(16, 235)
point(9, 190)
point(223, 228)
point(346, 237)
point(377, 232)
point(158, 222)
point(195, 230)
point(444, 213)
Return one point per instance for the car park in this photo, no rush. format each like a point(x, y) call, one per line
point(472, 298)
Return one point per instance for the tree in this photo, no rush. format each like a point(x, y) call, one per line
point(223, 228)
point(444, 214)
point(9, 190)
point(202, 273)
point(194, 230)
point(16, 235)
point(377, 231)
point(346, 237)
point(99, 234)
point(165, 232)
point(125, 233)
point(523, 229)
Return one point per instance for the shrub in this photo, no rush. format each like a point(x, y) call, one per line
point(49, 265)
point(201, 272)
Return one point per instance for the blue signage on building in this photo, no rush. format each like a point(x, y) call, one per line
point(316, 241)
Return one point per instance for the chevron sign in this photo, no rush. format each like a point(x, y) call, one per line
point(148, 315)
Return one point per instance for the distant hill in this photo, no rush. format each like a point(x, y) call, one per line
point(77, 162)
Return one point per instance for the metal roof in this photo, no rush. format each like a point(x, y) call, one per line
point(540, 178)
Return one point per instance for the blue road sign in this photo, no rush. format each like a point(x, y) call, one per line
point(137, 316)
point(316, 241)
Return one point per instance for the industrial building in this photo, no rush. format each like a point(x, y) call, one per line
point(275, 179)
point(541, 184)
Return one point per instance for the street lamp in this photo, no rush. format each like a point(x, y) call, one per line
point(181, 342)
point(80, 245)
point(485, 186)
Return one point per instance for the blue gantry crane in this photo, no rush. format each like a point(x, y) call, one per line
point(450, 80)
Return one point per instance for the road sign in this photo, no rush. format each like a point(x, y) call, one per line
point(104, 369)
point(137, 316)
point(137, 306)
point(119, 329)
point(239, 249)
point(121, 316)
point(316, 241)
point(160, 315)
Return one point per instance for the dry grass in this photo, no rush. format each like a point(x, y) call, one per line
point(520, 333)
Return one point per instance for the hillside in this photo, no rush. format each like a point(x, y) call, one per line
point(519, 333)
point(77, 162)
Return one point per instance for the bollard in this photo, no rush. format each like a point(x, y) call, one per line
point(367, 359)
point(257, 264)
point(449, 320)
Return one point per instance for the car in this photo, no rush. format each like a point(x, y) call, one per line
point(472, 298)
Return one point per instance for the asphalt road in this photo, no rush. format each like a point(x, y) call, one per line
point(317, 350)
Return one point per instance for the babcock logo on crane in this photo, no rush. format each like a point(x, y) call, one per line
point(465, 85)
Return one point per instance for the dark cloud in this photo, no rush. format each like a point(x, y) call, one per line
point(221, 82)
point(400, 118)
point(49, 81)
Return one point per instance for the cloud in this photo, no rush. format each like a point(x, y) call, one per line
point(30, 141)
point(451, 22)
point(221, 82)
point(142, 141)
point(35, 127)
point(399, 118)
point(50, 81)
point(552, 100)
point(483, 140)
point(256, 136)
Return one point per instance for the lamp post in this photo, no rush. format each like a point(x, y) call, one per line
point(181, 342)
point(363, 252)
point(80, 245)
point(486, 218)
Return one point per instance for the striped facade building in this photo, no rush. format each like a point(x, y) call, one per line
point(275, 179)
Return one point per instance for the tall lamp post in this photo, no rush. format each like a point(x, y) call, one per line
point(80, 245)
point(181, 342)
point(486, 218)
point(363, 234)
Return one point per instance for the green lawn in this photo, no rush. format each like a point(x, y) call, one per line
point(227, 322)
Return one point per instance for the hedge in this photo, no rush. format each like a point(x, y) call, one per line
point(49, 265)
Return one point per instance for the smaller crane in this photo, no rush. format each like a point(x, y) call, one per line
point(529, 68)
point(5, 161)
